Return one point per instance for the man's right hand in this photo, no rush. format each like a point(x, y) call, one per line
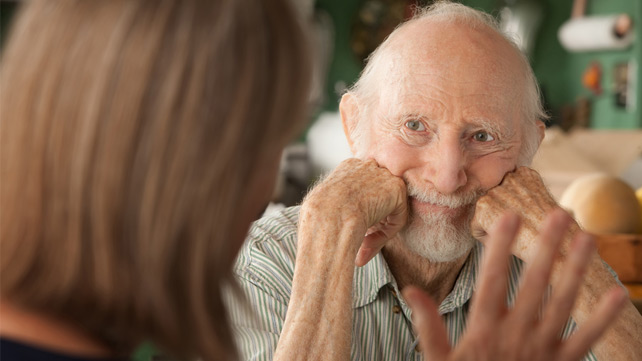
point(356, 199)
point(362, 192)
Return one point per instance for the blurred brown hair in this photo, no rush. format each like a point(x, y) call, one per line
point(128, 131)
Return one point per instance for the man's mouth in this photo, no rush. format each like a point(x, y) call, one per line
point(420, 207)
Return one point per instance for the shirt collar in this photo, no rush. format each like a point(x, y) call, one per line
point(465, 284)
point(371, 278)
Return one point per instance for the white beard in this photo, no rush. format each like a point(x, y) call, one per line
point(440, 237)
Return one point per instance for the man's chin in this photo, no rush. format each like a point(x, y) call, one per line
point(440, 236)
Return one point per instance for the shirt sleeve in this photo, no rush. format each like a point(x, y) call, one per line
point(257, 320)
point(264, 271)
point(569, 329)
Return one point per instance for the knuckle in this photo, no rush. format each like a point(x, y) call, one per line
point(481, 204)
point(349, 163)
point(371, 163)
point(522, 170)
point(512, 180)
point(487, 198)
point(400, 183)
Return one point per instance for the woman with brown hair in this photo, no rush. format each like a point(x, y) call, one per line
point(139, 140)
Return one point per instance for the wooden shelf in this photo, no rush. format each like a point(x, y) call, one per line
point(623, 252)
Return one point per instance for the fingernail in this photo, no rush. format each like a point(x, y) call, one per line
point(409, 293)
point(363, 255)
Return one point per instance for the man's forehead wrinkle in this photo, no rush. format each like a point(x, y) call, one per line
point(387, 123)
point(505, 130)
point(408, 99)
point(404, 70)
point(404, 102)
point(421, 67)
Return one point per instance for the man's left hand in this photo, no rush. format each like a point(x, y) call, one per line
point(521, 192)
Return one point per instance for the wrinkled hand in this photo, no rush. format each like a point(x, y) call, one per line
point(521, 192)
point(497, 333)
point(362, 191)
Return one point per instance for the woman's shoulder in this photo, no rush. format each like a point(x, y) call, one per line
point(12, 350)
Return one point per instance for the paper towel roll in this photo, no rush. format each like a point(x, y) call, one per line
point(593, 33)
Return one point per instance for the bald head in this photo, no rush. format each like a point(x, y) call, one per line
point(458, 45)
point(451, 52)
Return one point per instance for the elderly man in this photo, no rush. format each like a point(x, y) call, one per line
point(442, 118)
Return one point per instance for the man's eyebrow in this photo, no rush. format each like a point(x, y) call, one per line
point(492, 126)
point(392, 118)
point(407, 115)
point(412, 115)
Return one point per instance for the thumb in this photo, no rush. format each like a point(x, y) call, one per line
point(371, 245)
point(381, 233)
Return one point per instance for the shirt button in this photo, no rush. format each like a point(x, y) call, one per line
point(394, 293)
point(396, 309)
point(417, 348)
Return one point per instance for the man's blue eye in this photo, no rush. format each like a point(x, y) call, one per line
point(415, 125)
point(483, 137)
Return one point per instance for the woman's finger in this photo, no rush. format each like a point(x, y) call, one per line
point(489, 300)
point(590, 331)
point(429, 327)
point(537, 274)
point(565, 291)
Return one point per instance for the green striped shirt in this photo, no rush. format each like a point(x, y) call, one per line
point(381, 328)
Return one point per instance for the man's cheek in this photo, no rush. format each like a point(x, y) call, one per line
point(395, 161)
point(490, 171)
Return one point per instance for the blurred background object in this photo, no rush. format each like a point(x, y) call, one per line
point(522, 18)
point(609, 208)
point(375, 20)
point(603, 32)
point(592, 78)
point(603, 204)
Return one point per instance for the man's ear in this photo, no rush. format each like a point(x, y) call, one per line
point(541, 129)
point(349, 111)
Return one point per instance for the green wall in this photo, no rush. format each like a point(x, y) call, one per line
point(345, 67)
point(558, 71)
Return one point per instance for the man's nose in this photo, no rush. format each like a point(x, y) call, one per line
point(447, 168)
